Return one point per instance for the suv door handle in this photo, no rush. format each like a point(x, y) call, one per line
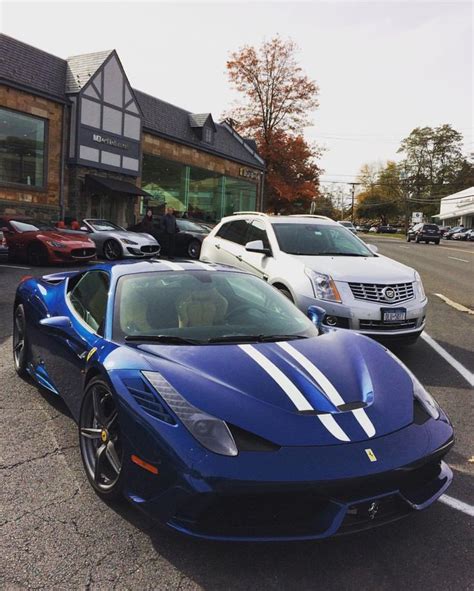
point(217, 246)
point(238, 257)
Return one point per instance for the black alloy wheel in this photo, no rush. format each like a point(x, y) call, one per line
point(20, 348)
point(100, 440)
point(112, 250)
point(194, 249)
point(37, 255)
point(408, 238)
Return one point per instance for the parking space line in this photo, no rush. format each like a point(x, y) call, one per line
point(456, 259)
point(459, 505)
point(15, 267)
point(453, 304)
point(465, 373)
point(465, 251)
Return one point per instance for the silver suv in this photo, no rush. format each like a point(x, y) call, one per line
point(316, 261)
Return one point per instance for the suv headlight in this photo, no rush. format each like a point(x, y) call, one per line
point(127, 241)
point(419, 286)
point(419, 392)
point(211, 432)
point(324, 287)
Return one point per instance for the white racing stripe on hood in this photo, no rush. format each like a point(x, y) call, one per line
point(173, 266)
point(328, 389)
point(279, 377)
point(292, 391)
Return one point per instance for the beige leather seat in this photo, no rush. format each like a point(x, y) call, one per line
point(133, 311)
point(204, 307)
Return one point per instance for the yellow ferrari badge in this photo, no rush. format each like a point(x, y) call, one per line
point(370, 455)
point(91, 352)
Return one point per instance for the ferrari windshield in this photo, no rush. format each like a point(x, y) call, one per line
point(30, 225)
point(202, 307)
point(103, 226)
point(319, 240)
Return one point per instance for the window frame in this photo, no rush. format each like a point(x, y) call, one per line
point(100, 332)
point(248, 222)
point(44, 186)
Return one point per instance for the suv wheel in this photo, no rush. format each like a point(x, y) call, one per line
point(408, 238)
point(286, 293)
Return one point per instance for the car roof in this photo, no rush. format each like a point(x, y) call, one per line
point(132, 267)
point(280, 219)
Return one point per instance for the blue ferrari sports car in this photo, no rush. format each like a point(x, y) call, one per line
point(205, 398)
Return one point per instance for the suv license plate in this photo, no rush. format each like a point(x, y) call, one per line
point(394, 315)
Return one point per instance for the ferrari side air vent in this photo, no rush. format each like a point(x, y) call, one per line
point(247, 441)
point(148, 400)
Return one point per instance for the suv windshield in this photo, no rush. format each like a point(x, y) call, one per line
point(200, 307)
point(30, 225)
point(319, 240)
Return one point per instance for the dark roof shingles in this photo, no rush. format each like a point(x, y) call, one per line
point(32, 68)
point(163, 118)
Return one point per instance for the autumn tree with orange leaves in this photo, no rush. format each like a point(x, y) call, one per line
point(276, 99)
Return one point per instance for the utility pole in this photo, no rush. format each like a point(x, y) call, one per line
point(353, 186)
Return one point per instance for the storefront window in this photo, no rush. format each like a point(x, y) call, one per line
point(205, 194)
point(166, 181)
point(22, 149)
point(200, 193)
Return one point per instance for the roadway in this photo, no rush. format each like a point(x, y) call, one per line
point(56, 533)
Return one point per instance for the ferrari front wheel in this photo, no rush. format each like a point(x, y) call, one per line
point(20, 357)
point(100, 440)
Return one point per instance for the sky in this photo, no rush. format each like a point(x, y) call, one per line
point(383, 68)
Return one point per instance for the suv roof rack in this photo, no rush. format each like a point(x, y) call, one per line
point(250, 212)
point(310, 215)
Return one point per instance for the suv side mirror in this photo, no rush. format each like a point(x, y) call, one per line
point(316, 315)
point(257, 246)
point(373, 248)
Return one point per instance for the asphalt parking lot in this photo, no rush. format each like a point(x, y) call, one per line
point(56, 533)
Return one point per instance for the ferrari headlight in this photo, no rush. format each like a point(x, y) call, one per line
point(323, 286)
point(211, 432)
point(56, 244)
point(127, 241)
point(419, 286)
point(419, 392)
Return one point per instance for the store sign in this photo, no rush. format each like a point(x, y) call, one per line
point(416, 216)
point(465, 202)
point(249, 173)
point(109, 141)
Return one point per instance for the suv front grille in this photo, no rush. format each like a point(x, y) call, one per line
point(379, 325)
point(373, 292)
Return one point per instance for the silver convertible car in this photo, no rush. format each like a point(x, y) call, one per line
point(114, 242)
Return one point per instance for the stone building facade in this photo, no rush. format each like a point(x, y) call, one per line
point(76, 140)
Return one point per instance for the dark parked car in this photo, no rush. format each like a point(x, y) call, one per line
point(469, 235)
point(3, 244)
point(449, 234)
point(460, 235)
point(188, 240)
point(444, 229)
point(386, 230)
point(424, 233)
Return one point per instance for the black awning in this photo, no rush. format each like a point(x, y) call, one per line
point(100, 182)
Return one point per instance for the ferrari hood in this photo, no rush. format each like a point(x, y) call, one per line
point(331, 389)
point(377, 269)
